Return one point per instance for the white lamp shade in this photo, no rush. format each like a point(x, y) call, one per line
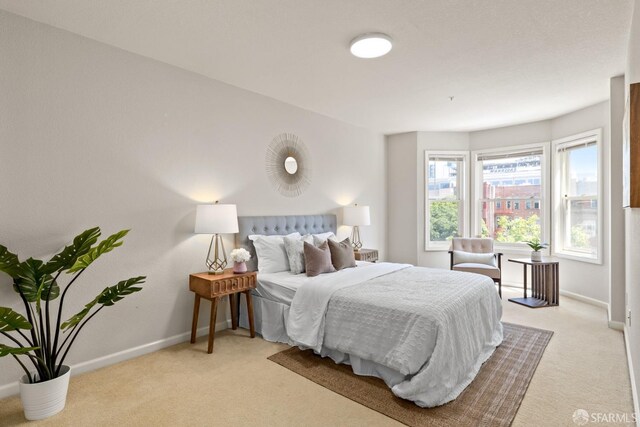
point(216, 219)
point(356, 215)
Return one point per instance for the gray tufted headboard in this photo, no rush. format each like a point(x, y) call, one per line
point(280, 225)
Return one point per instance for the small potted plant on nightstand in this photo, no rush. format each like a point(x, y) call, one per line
point(536, 247)
point(240, 257)
point(40, 337)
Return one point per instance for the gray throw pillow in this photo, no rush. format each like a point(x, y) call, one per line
point(342, 254)
point(295, 252)
point(317, 260)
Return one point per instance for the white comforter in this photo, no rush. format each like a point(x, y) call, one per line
point(433, 327)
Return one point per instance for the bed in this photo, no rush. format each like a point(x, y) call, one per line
point(425, 332)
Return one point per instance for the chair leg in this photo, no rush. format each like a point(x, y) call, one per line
point(500, 287)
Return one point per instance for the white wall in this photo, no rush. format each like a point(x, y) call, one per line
point(93, 135)
point(402, 208)
point(615, 225)
point(528, 133)
point(632, 216)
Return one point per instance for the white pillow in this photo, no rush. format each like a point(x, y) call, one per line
point(295, 251)
point(320, 238)
point(272, 256)
point(461, 257)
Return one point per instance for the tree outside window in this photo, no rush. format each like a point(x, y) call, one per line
point(445, 198)
point(577, 197)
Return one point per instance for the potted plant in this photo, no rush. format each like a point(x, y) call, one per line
point(240, 257)
point(40, 337)
point(536, 247)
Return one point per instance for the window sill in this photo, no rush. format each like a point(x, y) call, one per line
point(580, 258)
point(513, 250)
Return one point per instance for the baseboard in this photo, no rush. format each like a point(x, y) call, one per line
point(618, 326)
point(100, 362)
point(578, 297)
point(632, 377)
point(582, 298)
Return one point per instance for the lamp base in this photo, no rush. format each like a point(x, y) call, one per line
point(218, 263)
point(355, 239)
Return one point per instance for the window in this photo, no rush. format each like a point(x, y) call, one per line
point(446, 190)
point(512, 177)
point(577, 197)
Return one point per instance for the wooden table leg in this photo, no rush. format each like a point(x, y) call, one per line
point(250, 313)
point(194, 322)
point(212, 324)
point(234, 313)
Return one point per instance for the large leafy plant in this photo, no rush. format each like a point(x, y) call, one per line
point(42, 338)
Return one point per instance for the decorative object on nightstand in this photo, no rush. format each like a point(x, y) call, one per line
point(216, 219)
point(370, 255)
point(536, 247)
point(356, 216)
point(240, 257)
point(212, 288)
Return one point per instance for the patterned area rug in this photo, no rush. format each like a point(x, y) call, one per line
point(493, 398)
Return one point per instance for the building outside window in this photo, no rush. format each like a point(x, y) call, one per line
point(510, 195)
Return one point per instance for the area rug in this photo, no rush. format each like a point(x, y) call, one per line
point(493, 398)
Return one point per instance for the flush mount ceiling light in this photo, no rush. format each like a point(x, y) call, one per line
point(371, 45)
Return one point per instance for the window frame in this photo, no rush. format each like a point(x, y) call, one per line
point(560, 229)
point(463, 218)
point(545, 196)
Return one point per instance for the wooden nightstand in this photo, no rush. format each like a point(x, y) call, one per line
point(370, 255)
point(214, 286)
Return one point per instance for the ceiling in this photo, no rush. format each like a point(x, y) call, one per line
point(504, 61)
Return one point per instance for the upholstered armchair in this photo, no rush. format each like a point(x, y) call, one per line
point(475, 255)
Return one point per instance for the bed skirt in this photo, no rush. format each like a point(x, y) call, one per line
point(270, 319)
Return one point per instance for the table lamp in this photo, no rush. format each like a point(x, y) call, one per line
point(216, 219)
point(356, 216)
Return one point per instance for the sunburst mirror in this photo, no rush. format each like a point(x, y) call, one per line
point(288, 165)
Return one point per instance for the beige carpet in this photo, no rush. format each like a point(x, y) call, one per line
point(492, 398)
point(583, 367)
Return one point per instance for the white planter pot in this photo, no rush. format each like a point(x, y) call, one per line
point(536, 256)
point(42, 400)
